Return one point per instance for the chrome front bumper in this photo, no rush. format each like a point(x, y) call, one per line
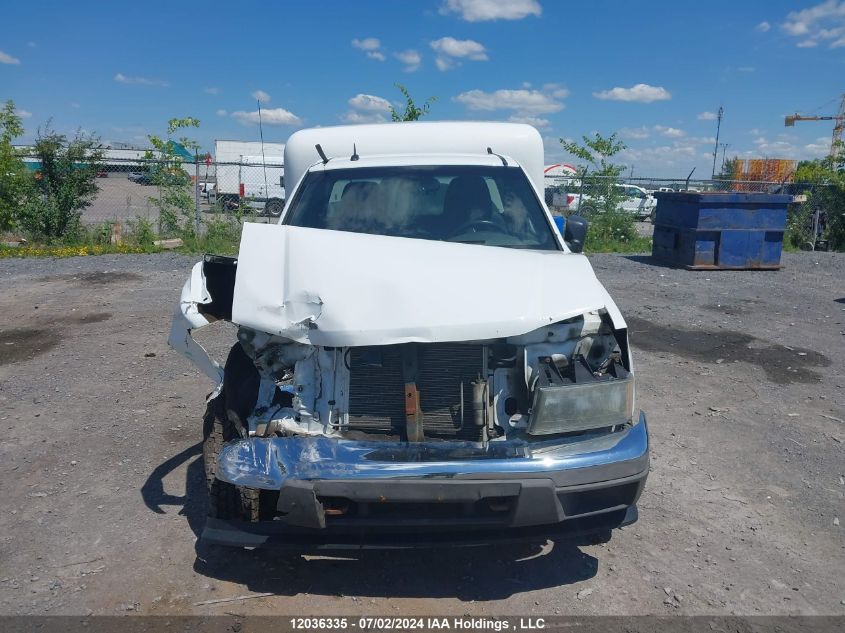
point(271, 463)
point(427, 493)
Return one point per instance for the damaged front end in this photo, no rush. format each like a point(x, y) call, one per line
point(414, 436)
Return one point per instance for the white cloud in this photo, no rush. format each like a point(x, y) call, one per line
point(637, 133)
point(523, 102)
point(5, 58)
point(212, 90)
point(74, 105)
point(443, 63)
point(271, 116)
point(706, 116)
point(411, 58)
point(746, 69)
point(823, 22)
point(140, 81)
point(260, 96)
point(24, 114)
point(556, 90)
point(643, 132)
point(484, 10)
point(538, 122)
point(669, 132)
point(818, 149)
point(355, 117)
point(222, 112)
point(763, 27)
point(367, 44)
point(371, 46)
point(700, 140)
point(366, 109)
point(449, 50)
point(786, 146)
point(469, 49)
point(640, 93)
point(658, 158)
point(369, 103)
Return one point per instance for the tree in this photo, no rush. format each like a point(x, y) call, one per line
point(63, 186)
point(13, 173)
point(174, 200)
point(412, 112)
point(824, 181)
point(601, 199)
point(728, 170)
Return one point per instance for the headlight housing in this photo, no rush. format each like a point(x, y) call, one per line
point(581, 406)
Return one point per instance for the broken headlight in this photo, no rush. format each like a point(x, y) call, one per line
point(579, 399)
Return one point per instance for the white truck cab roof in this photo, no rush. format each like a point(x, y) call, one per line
point(432, 142)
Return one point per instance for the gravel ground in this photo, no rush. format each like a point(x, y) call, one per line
point(740, 373)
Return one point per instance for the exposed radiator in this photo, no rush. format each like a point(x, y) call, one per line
point(376, 390)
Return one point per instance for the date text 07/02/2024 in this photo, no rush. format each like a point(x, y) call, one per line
point(367, 623)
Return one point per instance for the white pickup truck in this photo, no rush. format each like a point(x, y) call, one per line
point(422, 358)
point(635, 200)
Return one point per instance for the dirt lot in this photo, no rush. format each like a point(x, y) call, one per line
point(741, 375)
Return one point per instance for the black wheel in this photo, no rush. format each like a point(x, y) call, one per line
point(224, 421)
point(274, 207)
point(652, 215)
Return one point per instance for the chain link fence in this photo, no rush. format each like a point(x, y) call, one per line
point(811, 212)
point(129, 190)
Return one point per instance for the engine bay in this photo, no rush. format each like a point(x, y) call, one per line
point(569, 377)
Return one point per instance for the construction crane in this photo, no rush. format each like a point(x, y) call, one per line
point(837, 128)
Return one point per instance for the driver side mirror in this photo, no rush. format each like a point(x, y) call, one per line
point(575, 233)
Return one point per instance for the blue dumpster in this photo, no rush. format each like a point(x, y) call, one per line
point(714, 231)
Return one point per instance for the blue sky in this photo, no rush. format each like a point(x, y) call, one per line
point(653, 71)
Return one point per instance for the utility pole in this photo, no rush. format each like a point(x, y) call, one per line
point(263, 160)
point(716, 147)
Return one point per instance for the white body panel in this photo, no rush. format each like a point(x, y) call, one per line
point(521, 142)
point(335, 288)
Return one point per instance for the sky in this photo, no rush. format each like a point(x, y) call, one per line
point(654, 72)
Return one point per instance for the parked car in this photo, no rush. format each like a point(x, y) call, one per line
point(140, 177)
point(421, 357)
point(635, 200)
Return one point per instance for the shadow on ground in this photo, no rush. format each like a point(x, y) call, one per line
point(479, 573)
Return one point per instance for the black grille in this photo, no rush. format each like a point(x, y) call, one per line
point(377, 388)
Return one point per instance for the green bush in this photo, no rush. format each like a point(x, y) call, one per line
point(14, 177)
point(141, 232)
point(63, 186)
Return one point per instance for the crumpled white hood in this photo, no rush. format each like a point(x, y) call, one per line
point(336, 288)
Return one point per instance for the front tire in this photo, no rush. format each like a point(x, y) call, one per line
point(274, 207)
point(226, 501)
point(224, 421)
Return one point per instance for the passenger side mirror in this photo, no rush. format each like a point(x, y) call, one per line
point(575, 233)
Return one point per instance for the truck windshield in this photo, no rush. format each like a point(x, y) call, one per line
point(493, 206)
